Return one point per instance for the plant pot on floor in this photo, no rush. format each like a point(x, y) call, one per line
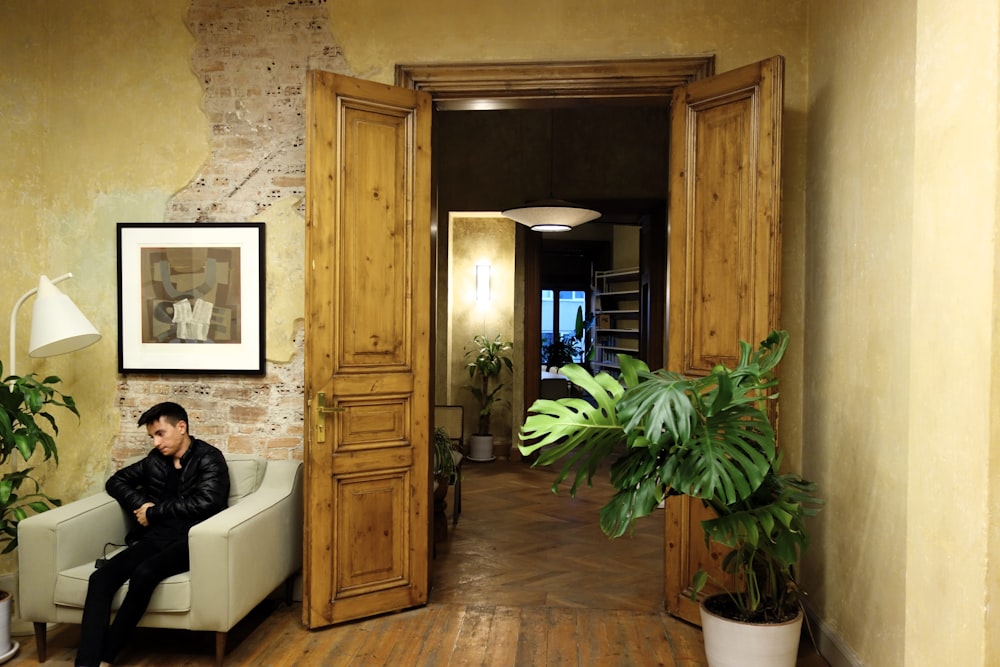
point(481, 448)
point(7, 647)
point(730, 643)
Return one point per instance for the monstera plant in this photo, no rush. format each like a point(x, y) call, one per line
point(25, 424)
point(709, 438)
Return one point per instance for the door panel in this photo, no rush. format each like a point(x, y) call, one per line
point(368, 305)
point(724, 257)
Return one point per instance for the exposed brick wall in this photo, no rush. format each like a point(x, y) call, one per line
point(260, 415)
point(251, 57)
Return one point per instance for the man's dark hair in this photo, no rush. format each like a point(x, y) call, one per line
point(171, 411)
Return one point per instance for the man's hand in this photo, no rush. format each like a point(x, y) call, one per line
point(140, 514)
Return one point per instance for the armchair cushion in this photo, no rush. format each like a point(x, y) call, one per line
point(172, 595)
point(245, 476)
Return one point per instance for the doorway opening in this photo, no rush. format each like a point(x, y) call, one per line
point(594, 99)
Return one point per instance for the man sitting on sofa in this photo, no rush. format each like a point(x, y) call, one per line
point(181, 482)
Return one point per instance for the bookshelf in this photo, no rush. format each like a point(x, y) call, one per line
point(616, 322)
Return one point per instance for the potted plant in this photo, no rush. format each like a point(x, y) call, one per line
point(488, 360)
point(24, 412)
point(709, 438)
point(445, 473)
point(445, 466)
point(571, 347)
point(561, 352)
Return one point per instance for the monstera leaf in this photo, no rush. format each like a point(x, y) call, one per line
point(558, 428)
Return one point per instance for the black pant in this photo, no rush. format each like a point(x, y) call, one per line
point(143, 565)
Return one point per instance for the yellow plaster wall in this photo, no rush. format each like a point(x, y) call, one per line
point(859, 281)
point(948, 588)
point(481, 239)
point(21, 109)
point(900, 257)
point(92, 136)
point(455, 30)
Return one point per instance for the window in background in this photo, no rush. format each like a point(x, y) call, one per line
point(559, 315)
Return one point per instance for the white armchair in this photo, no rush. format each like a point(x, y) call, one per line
point(238, 557)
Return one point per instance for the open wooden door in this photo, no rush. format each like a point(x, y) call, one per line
point(367, 362)
point(725, 257)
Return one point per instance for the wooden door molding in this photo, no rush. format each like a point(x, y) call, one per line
point(367, 352)
point(725, 256)
point(519, 85)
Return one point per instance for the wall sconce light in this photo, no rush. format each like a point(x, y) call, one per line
point(57, 325)
point(482, 282)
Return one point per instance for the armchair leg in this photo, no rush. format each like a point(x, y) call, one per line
point(41, 642)
point(220, 648)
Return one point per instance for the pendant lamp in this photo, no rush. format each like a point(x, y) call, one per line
point(551, 215)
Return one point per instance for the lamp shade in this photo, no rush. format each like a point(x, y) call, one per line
point(57, 325)
point(551, 215)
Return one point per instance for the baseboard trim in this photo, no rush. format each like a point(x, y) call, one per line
point(829, 644)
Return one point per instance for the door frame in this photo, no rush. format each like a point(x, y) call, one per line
point(541, 84)
point(521, 85)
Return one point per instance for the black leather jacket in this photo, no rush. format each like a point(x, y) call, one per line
point(202, 492)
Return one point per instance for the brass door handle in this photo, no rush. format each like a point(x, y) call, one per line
point(322, 409)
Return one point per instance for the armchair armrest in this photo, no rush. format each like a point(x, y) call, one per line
point(240, 555)
point(61, 538)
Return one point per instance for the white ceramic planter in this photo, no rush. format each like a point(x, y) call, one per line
point(481, 448)
point(7, 647)
point(737, 644)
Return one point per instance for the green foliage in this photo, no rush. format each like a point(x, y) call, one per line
point(572, 347)
point(25, 423)
point(561, 352)
point(489, 358)
point(444, 462)
point(709, 438)
point(581, 333)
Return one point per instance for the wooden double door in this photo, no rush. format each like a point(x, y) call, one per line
point(369, 315)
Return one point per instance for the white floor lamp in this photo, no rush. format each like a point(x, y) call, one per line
point(57, 325)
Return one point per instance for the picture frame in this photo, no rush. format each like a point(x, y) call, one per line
point(191, 297)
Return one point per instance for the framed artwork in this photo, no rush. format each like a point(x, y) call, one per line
point(191, 297)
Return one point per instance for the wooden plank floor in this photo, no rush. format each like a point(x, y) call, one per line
point(526, 578)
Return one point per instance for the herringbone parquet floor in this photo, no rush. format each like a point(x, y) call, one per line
point(526, 578)
point(518, 544)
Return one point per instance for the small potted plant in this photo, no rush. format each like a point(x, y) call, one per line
point(560, 352)
point(24, 409)
point(709, 438)
point(446, 473)
point(489, 357)
point(445, 466)
point(572, 347)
